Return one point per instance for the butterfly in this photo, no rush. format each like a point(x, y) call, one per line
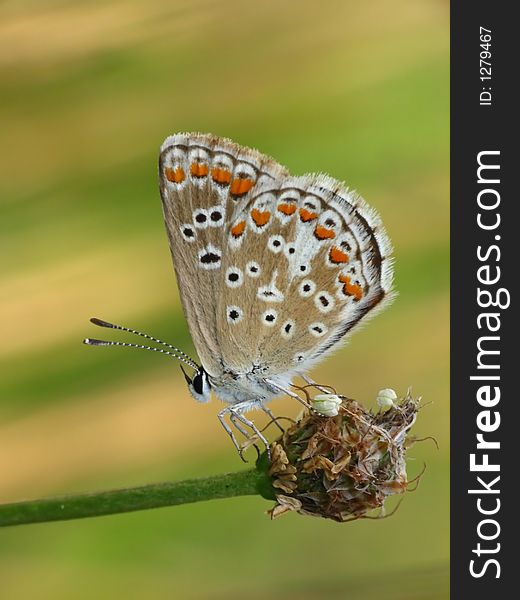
point(273, 270)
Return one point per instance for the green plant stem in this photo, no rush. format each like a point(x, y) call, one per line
point(240, 483)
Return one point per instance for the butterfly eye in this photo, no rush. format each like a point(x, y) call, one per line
point(198, 383)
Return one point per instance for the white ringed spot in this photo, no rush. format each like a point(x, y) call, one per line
point(253, 269)
point(234, 314)
point(200, 218)
point(275, 243)
point(289, 250)
point(188, 232)
point(269, 293)
point(210, 257)
point(287, 330)
point(234, 277)
point(317, 329)
point(306, 288)
point(303, 269)
point(269, 317)
point(324, 301)
point(216, 216)
point(299, 357)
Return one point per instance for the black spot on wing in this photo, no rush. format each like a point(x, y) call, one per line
point(209, 258)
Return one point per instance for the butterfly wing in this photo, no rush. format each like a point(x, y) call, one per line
point(203, 181)
point(305, 261)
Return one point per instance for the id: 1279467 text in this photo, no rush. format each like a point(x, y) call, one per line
point(485, 66)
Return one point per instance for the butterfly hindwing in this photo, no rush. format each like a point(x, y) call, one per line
point(305, 261)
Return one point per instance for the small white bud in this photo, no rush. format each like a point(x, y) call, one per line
point(326, 404)
point(386, 398)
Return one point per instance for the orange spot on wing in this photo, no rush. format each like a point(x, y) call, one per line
point(350, 289)
point(199, 170)
point(238, 229)
point(222, 176)
point(287, 209)
point(337, 256)
point(261, 218)
point(307, 215)
point(322, 233)
point(174, 175)
point(239, 186)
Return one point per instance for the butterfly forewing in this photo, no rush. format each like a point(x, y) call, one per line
point(204, 180)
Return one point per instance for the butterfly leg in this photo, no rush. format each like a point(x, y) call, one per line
point(288, 392)
point(238, 420)
point(221, 417)
point(274, 420)
point(310, 381)
point(233, 417)
point(236, 413)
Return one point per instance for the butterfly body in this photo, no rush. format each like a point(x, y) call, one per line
point(249, 387)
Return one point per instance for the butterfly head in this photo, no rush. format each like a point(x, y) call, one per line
point(198, 385)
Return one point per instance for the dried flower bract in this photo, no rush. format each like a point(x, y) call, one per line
point(344, 466)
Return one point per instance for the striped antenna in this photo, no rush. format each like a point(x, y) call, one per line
point(179, 354)
point(94, 342)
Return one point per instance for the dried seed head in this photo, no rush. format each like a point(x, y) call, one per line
point(343, 466)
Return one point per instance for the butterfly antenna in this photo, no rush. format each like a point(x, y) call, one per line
point(94, 342)
point(180, 353)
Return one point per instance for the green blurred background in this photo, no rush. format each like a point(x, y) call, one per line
point(89, 90)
